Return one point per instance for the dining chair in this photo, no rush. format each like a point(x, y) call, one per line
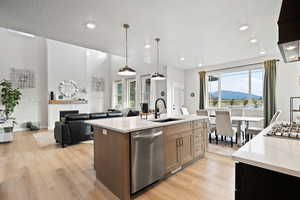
point(224, 126)
point(254, 112)
point(236, 112)
point(253, 131)
point(211, 126)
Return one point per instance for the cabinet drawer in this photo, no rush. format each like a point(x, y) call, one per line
point(177, 128)
point(199, 124)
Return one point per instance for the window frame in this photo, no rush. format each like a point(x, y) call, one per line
point(222, 71)
point(114, 92)
point(143, 89)
point(128, 81)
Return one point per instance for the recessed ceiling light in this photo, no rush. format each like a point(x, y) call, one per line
point(200, 65)
point(290, 48)
point(253, 40)
point(182, 59)
point(293, 57)
point(262, 52)
point(244, 27)
point(147, 46)
point(90, 25)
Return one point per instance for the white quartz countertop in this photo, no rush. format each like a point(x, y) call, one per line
point(277, 154)
point(131, 124)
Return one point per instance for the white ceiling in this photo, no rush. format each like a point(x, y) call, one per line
point(199, 30)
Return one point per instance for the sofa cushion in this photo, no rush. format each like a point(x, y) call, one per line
point(115, 114)
point(76, 117)
point(98, 115)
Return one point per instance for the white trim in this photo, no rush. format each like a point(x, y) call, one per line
point(238, 69)
point(222, 71)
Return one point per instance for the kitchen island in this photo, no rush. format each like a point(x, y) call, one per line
point(268, 168)
point(131, 153)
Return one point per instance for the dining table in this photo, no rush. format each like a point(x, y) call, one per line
point(239, 121)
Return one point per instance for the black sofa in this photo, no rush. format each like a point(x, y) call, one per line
point(72, 128)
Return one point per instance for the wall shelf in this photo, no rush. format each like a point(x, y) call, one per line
point(292, 109)
point(67, 102)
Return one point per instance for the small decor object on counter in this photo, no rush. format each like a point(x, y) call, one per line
point(10, 98)
point(68, 88)
point(60, 97)
point(52, 95)
point(144, 107)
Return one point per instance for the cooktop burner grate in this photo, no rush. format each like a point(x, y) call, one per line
point(285, 130)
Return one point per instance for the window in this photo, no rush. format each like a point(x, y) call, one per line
point(131, 93)
point(236, 89)
point(117, 94)
point(146, 89)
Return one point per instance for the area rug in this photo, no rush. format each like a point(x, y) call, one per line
point(222, 149)
point(44, 139)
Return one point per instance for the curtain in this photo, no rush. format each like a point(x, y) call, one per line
point(269, 91)
point(202, 92)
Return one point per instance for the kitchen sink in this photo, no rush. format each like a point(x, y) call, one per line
point(166, 120)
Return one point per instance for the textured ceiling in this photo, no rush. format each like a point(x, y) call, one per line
point(198, 30)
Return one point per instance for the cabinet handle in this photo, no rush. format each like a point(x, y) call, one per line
point(181, 141)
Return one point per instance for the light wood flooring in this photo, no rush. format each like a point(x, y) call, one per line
point(31, 172)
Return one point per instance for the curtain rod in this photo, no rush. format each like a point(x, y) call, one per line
point(239, 66)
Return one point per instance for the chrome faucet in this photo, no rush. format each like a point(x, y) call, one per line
point(156, 114)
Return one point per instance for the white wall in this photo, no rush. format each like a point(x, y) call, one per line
point(65, 62)
point(288, 77)
point(98, 66)
point(69, 62)
point(288, 85)
point(174, 76)
point(142, 66)
point(22, 52)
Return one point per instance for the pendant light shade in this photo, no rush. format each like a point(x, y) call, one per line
point(126, 71)
point(156, 75)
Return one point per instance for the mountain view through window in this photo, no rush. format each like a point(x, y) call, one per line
point(236, 89)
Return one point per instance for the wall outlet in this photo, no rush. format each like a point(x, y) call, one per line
point(104, 131)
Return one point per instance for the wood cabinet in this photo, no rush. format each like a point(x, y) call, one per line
point(186, 147)
point(200, 131)
point(172, 155)
point(183, 142)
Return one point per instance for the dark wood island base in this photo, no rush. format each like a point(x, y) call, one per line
point(255, 183)
point(184, 143)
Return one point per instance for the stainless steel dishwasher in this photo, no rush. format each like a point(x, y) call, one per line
point(147, 158)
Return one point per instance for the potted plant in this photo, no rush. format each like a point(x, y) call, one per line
point(9, 99)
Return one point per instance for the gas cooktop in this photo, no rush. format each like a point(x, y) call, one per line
point(285, 130)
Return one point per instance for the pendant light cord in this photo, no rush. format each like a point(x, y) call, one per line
point(157, 40)
point(126, 26)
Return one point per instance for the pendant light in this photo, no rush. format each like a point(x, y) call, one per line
point(156, 75)
point(126, 71)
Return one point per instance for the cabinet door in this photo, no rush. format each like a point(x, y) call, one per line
point(172, 154)
point(186, 147)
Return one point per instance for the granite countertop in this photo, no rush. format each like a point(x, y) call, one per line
point(277, 154)
point(130, 124)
